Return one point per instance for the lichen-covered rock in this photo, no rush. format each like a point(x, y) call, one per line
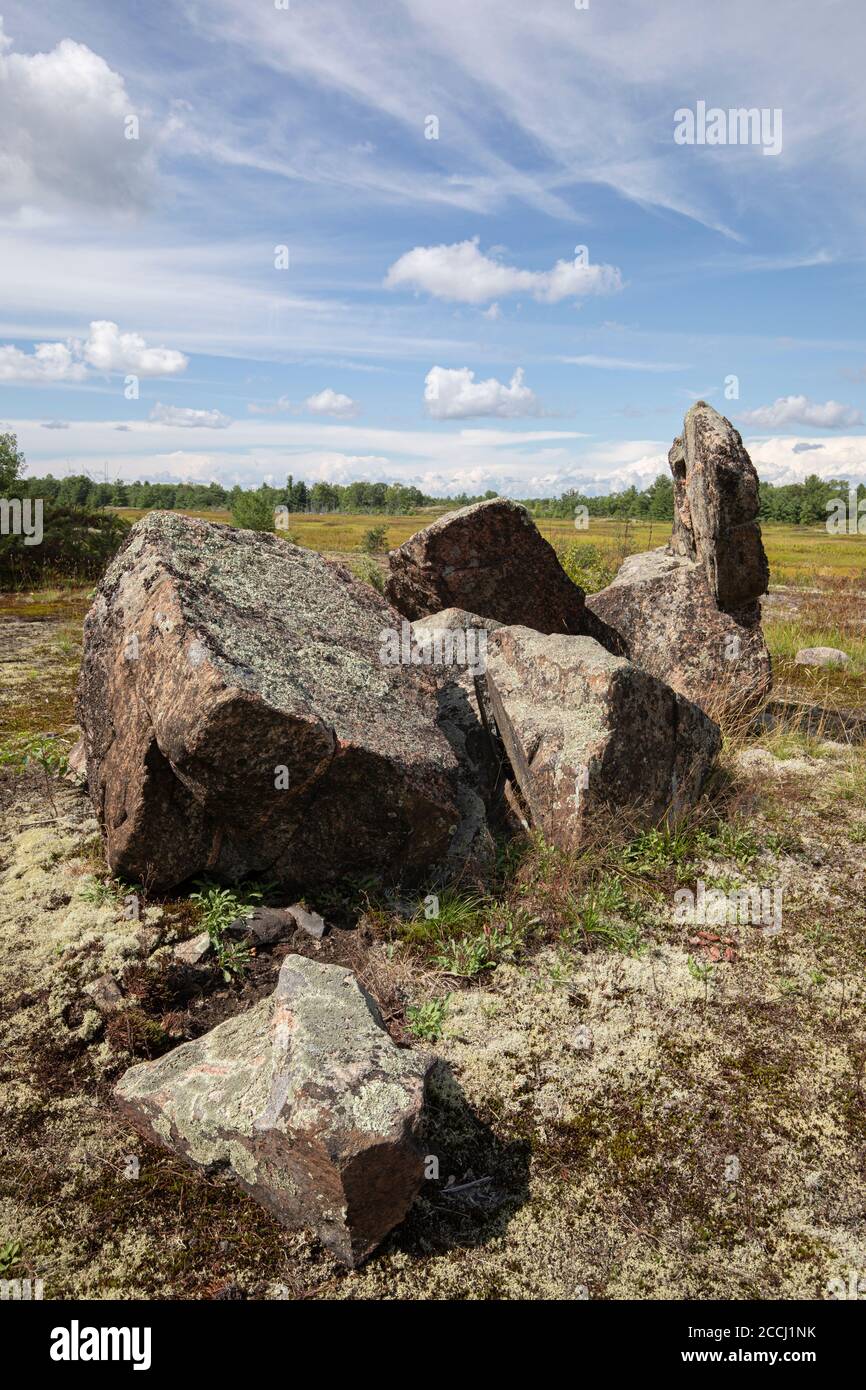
point(821, 656)
point(306, 1099)
point(491, 560)
point(588, 733)
point(661, 607)
point(455, 642)
point(238, 716)
point(716, 509)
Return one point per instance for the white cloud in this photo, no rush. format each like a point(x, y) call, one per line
point(47, 363)
point(105, 349)
point(330, 402)
point(799, 410)
point(454, 394)
point(463, 273)
point(276, 408)
point(109, 350)
point(188, 418)
point(62, 115)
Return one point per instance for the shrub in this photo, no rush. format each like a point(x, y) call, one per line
point(586, 565)
point(364, 567)
point(76, 544)
point(253, 511)
point(373, 541)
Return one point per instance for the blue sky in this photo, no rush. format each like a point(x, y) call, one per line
point(436, 323)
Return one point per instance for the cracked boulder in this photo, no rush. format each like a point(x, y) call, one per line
point(591, 737)
point(305, 1099)
point(489, 559)
point(238, 716)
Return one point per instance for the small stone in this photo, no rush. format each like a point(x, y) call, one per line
point(310, 922)
point(193, 951)
point(105, 993)
point(77, 763)
point(821, 656)
point(266, 926)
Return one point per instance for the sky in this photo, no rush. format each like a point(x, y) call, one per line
point(459, 245)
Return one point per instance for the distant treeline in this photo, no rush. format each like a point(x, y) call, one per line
point(797, 504)
point(794, 503)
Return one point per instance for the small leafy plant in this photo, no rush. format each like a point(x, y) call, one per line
point(426, 1020)
point(219, 907)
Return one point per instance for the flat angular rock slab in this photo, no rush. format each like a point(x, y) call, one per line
point(238, 717)
point(489, 559)
point(716, 509)
point(663, 611)
point(306, 1099)
point(589, 734)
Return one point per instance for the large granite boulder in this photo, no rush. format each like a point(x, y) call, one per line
point(592, 738)
point(239, 717)
point(491, 560)
point(662, 608)
point(716, 509)
point(690, 612)
point(305, 1099)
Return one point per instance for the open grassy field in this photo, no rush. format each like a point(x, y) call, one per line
point(798, 554)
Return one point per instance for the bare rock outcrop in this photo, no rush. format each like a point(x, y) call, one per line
point(306, 1099)
point(690, 612)
point(238, 716)
point(589, 734)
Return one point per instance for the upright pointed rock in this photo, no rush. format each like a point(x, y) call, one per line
point(689, 612)
point(716, 506)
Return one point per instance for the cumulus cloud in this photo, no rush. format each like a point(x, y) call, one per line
point(63, 117)
point(189, 419)
point(105, 349)
point(799, 410)
point(48, 362)
point(463, 273)
point(109, 350)
point(330, 402)
point(454, 394)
